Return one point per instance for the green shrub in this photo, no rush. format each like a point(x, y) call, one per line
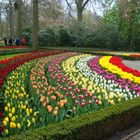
point(47, 37)
point(104, 37)
point(64, 37)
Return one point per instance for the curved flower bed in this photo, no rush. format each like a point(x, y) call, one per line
point(104, 62)
point(135, 55)
point(8, 56)
point(39, 91)
point(19, 114)
point(14, 51)
point(117, 61)
point(125, 84)
point(11, 63)
point(14, 47)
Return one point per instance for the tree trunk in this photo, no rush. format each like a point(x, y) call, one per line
point(35, 25)
point(18, 8)
point(1, 33)
point(130, 30)
point(79, 15)
point(11, 24)
point(79, 6)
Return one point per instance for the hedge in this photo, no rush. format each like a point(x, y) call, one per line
point(96, 126)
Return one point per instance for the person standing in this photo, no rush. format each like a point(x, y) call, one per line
point(5, 41)
point(18, 42)
point(23, 41)
point(10, 41)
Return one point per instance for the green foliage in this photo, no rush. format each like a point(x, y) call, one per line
point(63, 36)
point(126, 20)
point(103, 37)
point(26, 32)
point(97, 125)
point(47, 37)
point(115, 32)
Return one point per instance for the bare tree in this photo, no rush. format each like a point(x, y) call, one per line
point(18, 9)
point(35, 25)
point(11, 21)
point(80, 6)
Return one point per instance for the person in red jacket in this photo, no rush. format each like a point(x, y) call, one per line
point(23, 41)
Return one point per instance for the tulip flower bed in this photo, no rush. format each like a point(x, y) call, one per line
point(115, 66)
point(125, 55)
point(48, 89)
point(13, 47)
point(14, 51)
point(8, 56)
point(6, 66)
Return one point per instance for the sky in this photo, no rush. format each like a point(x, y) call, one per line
point(94, 6)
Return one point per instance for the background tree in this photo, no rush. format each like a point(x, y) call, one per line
point(51, 12)
point(80, 6)
point(18, 15)
point(35, 25)
point(11, 18)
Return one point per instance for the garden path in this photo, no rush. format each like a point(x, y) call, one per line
point(130, 133)
point(132, 64)
point(133, 132)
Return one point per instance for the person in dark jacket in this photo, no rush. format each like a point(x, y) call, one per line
point(10, 41)
point(18, 42)
point(5, 41)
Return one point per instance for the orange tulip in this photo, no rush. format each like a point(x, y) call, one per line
point(49, 107)
point(53, 89)
point(56, 108)
point(42, 99)
point(53, 97)
point(61, 104)
point(55, 112)
point(44, 104)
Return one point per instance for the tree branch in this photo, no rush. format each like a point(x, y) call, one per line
point(84, 4)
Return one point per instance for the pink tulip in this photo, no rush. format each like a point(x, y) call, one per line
point(97, 101)
point(83, 104)
point(90, 102)
point(76, 102)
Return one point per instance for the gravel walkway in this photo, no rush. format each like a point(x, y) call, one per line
point(135, 64)
point(132, 132)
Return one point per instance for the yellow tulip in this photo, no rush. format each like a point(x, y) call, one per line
point(4, 123)
point(31, 110)
point(12, 125)
point(10, 115)
point(33, 120)
point(6, 108)
point(6, 131)
point(8, 105)
point(13, 110)
point(13, 118)
point(6, 119)
point(18, 125)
